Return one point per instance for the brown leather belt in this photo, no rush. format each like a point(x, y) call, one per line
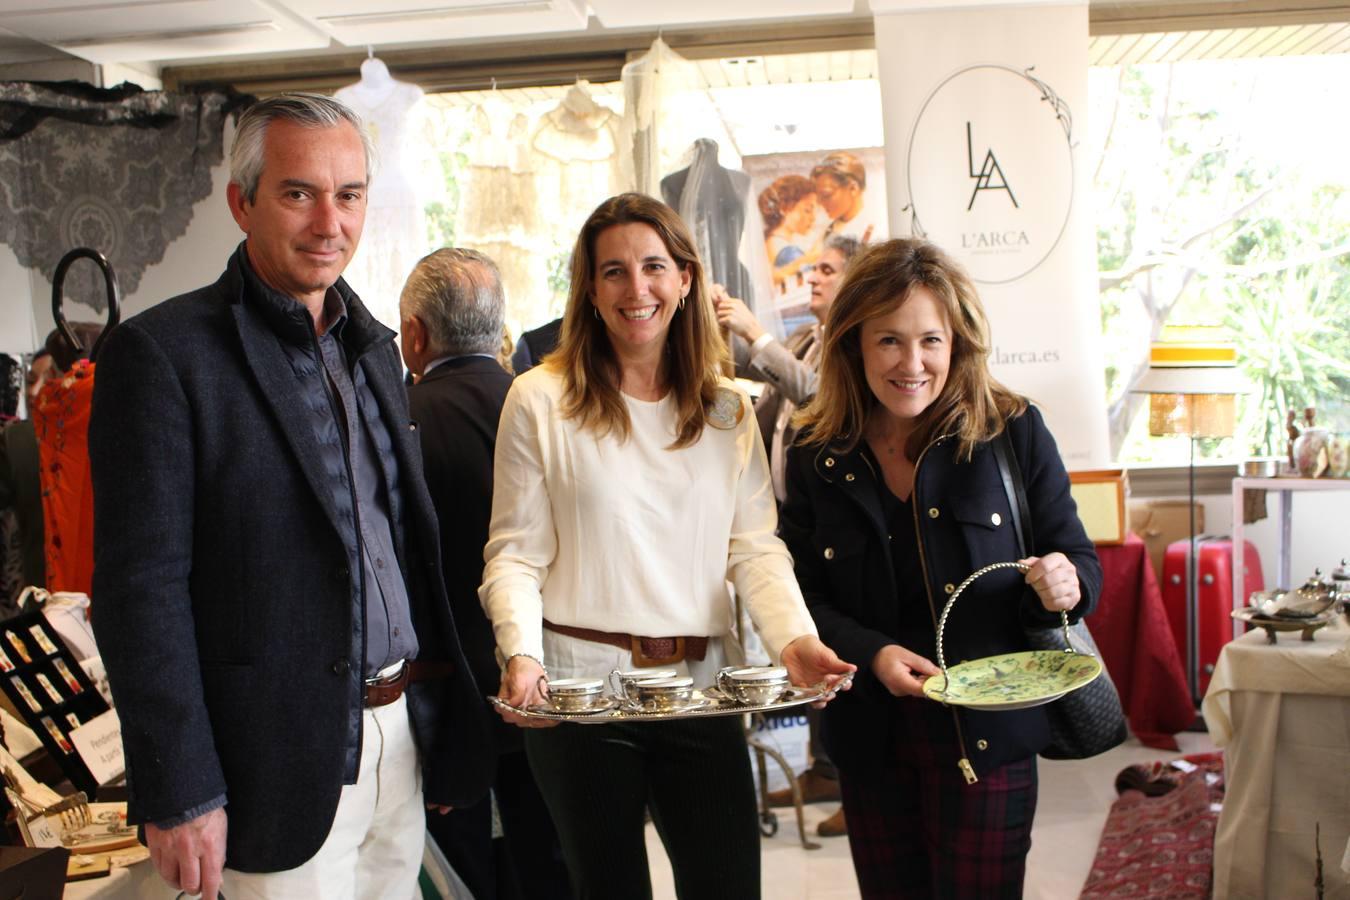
point(647, 651)
point(383, 691)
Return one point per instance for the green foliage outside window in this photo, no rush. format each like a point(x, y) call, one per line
point(1216, 204)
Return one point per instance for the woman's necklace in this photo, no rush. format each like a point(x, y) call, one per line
point(892, 444)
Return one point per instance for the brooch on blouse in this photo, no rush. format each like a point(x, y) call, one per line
point(726, 409)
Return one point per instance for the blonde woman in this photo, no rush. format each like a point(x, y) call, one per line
point(893, 496)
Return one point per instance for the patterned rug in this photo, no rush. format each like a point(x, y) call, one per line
point(1158, 840)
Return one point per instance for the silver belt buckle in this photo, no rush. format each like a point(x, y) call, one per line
point(389, 673)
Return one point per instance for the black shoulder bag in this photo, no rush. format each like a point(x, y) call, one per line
point(1087, 721)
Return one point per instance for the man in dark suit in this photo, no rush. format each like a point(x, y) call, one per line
point(271, 609)
point(534, 345)
point(452, 311)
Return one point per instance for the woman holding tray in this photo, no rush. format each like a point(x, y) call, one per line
point(630, 486)
point(894, 495)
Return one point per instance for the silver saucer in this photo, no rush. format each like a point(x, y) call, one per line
point(607, 704)
point(647, 709)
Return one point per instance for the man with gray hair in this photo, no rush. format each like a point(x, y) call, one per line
point(452, 311)
point(452, 306)
point(270, 604)
point(788, 368)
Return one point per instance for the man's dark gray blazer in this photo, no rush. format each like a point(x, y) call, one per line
point(222, 584)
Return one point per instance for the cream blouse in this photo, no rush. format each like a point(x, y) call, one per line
point(631, 536)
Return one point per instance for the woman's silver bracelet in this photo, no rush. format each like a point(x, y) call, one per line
point(529, 656)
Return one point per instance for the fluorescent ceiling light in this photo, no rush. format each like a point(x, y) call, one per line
point(444, 12)
point(159, 36)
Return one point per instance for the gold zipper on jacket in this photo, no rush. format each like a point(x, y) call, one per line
point(967, 770)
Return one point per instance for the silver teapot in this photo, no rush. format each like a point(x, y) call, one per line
point(1340, 580)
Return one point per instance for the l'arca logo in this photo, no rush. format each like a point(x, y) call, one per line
point(990, 171)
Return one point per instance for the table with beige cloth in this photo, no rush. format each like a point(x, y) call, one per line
point(1281, 713)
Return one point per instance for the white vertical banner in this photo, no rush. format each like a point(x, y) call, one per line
point(983, 113)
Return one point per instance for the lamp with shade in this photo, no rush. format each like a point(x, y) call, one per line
point(1192, 382)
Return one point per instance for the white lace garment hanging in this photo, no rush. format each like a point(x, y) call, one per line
point(395, 235)
point(500, 210)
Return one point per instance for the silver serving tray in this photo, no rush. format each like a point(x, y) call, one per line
point(1274, 624)
point(704, 704)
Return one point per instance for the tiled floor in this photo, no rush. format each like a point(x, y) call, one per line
point(1074, 799)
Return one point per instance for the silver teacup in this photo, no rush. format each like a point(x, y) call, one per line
point(664, 694)
point(622, 682)
point(754, 685)
point(569, 695)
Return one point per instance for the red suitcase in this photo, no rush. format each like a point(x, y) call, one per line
point(1215, 586)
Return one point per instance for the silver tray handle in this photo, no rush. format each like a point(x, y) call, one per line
point(942, 621)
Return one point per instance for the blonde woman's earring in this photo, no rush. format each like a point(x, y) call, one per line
point(595, 311)
point(682, 300)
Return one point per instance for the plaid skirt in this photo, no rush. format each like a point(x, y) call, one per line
point(917, 830)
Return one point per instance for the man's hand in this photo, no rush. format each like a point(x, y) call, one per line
point(735, 315)
point(190, 856)
point(1055, 581)
point(902, 671)
point(523, 684)
point(810, 663)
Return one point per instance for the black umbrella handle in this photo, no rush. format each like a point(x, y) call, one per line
point(58, 298)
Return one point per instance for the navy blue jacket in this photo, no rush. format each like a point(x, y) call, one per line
point(224, 587)
point(834, 525)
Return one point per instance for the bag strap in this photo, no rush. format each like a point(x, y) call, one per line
point(1011, 474)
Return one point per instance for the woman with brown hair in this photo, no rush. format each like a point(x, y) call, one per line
point(630, 486)
point(894, 496)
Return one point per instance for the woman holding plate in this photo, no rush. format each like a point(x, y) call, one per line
point(630, 486)
point(894, 496)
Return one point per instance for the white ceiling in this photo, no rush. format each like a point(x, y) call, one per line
point(176, 31)
point(155, 33)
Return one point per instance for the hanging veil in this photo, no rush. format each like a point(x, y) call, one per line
point(667, 107)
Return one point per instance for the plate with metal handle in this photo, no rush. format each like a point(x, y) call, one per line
point(1009, 680)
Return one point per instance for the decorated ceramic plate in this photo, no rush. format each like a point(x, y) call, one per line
point(1013, 680)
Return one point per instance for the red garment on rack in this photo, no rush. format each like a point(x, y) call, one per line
point(61, 419)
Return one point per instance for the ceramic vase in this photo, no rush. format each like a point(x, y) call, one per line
point(1310, 452)
point(1338, 455)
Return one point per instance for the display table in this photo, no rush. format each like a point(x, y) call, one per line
point(1131, 630)
point(1281, 713)
point(138, 882)
point(1285, 487)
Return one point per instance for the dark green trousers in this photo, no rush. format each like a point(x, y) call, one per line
point(695, 778)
